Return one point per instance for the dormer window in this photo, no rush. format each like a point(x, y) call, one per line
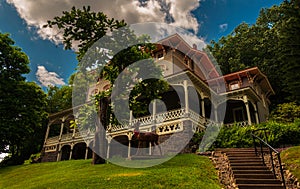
point(234, 85)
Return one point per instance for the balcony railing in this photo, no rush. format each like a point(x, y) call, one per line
point(239, 124)
point(165, 122)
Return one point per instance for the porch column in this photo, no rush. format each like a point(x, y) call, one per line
point(216, 112)
point(86, 152)
point(59, 153)
point(47, 132)
point(256, 114)
point(61, 128)
point(74, 130)
point(150, 152)
point(70, 157)
point(130, 118)
point(202, 105)
point(129, 145)
point(186, 96)
point(154, 110)
point(245, 99)
point(109, 138)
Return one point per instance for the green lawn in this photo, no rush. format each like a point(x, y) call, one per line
point(183, 171)
point(291, 157)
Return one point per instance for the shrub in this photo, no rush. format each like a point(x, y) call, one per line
point(286, 112)
point(278, 135)
point(34, 158)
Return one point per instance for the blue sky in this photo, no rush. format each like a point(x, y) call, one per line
point(209, 19)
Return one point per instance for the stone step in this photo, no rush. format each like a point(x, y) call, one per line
point(257, 172)
point(241, 155)
point(260, 186)
point(249, 168)
point(245, 150)
point(256, 181)
point(254, 176)
point(243, 158)
point(239, 149)
point(258, 160)
point(247, 164)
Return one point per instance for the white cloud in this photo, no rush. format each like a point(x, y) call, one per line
point(223, 27)
point(159, 31)
point(181, 12)
point(36, 13)
point(47, 78)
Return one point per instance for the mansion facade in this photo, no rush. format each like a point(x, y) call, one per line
point(240, 98)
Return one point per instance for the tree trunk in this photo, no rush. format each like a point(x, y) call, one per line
point(100, 143)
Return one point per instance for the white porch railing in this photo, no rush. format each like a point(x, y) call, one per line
point(166, 122)
point(239, 124)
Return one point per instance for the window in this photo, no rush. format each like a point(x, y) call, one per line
point(234, 85)
point(238, 114)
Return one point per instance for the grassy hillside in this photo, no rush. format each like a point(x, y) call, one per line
point(183, 171)
point(291, 157)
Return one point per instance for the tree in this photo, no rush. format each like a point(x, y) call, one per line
point(22, 105)
point(59, 98)
point(286, 112)
point(272, 44)
point(86, 27)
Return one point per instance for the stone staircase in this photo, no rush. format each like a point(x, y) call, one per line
point(248, 170)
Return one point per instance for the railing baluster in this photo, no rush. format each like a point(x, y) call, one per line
point(273, 167)
point(271, 150)
point(255, 148)
point(281, 170)
point(262, 153)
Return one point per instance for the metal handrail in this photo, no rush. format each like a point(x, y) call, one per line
point(271, 149)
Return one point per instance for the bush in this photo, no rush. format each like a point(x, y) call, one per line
point(286, 113)
point(279, 134)
point(34, 158)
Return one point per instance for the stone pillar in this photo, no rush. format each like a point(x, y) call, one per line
point(245, 99)
point(186, 96)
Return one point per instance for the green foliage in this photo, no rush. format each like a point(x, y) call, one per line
point(272, 44)
point(183, 171)
point(234, 137)
point(291, 159)
point(59, 98)
point(13, 62)
point(33, 159)
point(84, 27)
point(286, 112)
point(278, 135)
point(22, 107)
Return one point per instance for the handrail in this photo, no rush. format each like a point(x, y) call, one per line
point(271, 150)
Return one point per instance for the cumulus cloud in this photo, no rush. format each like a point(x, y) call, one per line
point(47, 78)
point(223, 27)
point(176, 12)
